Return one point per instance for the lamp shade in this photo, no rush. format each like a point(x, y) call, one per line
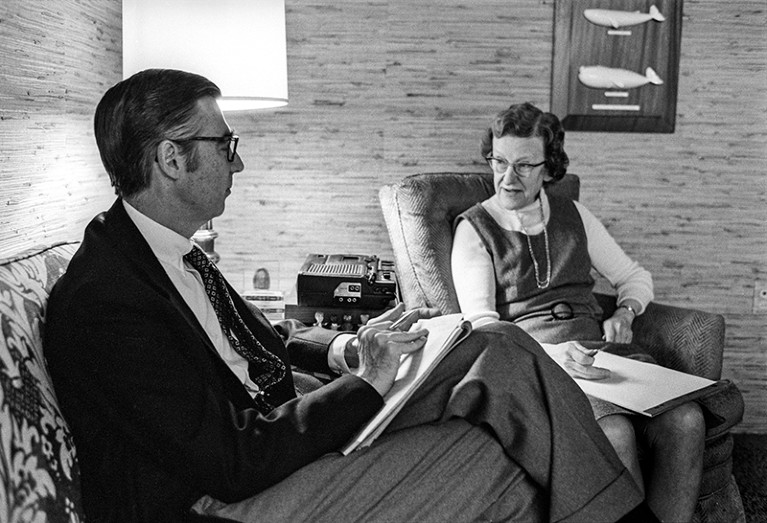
point(238, 44)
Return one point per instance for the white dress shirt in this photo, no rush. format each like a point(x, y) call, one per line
point(170, 248)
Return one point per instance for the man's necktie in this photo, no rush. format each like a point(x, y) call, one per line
point(266, 369)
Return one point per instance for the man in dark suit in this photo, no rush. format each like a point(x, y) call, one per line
point(179, 394)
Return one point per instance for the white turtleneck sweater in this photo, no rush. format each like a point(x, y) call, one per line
point(472, 267)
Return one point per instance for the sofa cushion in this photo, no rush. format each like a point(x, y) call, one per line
point(38, 464)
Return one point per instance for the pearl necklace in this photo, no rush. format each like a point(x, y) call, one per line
point(542, 284)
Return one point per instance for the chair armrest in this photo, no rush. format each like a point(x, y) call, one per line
point(724, 409)
point(687, 340)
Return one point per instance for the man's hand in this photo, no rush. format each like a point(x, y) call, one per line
point(577, 360)
point(397, 312)
point(379, 347)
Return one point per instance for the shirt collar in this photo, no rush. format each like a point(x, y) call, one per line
point(168, 245)
point(520, 220)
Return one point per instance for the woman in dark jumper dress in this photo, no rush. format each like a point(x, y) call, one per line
point(525, 256)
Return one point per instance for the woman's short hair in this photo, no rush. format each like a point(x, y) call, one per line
point(138, 113)
point(525, 121)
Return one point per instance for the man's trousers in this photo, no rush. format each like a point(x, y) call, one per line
point(499, 432)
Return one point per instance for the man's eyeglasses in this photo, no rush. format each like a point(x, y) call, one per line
point(233, 140)
point(521, 169)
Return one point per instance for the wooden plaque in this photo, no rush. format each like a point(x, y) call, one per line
point(602, 50)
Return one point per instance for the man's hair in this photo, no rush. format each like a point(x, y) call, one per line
point(526, 121)
point(135, 115)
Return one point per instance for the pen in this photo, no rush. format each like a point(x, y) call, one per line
point(405, 321)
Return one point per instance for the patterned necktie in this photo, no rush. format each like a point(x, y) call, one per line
point(266, 369)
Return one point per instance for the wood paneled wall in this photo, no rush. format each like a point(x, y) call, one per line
point(383, 89)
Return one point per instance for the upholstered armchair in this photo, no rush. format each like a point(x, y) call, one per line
point(419, 212)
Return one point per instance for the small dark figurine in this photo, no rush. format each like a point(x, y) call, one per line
point(261, 279)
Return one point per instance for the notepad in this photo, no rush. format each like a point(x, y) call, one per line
point(644, 388)
point(445, 332)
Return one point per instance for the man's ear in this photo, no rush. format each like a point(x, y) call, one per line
point(169, 159)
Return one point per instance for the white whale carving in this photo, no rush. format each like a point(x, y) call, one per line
point(601, 77)
point(618, 19)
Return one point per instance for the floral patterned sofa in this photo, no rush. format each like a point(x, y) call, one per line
point(38, 463)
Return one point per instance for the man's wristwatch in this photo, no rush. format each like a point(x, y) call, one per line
point(628, 308)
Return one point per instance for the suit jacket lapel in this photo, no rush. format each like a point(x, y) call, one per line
point(128, 239)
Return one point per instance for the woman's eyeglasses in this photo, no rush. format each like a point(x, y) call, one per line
point(521, 169)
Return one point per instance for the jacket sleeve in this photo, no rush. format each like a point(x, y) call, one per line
point(307, 346)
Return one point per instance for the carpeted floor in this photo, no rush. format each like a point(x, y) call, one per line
point(750, 470)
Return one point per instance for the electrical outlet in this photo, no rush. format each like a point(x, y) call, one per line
point(760, 297)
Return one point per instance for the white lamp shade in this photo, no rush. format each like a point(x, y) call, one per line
point(238, 44)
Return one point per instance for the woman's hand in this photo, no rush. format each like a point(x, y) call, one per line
point(617, 328)
point(577, 360)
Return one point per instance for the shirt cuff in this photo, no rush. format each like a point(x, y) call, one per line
point(336, 360)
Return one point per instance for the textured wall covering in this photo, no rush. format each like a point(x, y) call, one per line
point(56, 60)
point(380, 90)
